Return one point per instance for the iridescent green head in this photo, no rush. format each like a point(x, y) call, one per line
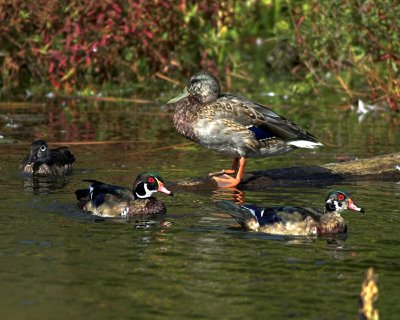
point(338, 200)
point(146, 184)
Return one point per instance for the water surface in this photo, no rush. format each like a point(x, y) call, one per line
point(58, 263)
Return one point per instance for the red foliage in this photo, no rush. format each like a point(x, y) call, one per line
point(76, 43)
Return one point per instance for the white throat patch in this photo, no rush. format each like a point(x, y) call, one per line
point(336, 204)
point(148, 193)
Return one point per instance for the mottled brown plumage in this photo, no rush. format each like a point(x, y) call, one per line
point(233, 125)
point(47, 162)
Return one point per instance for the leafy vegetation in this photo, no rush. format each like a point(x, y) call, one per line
point(82, 46)
point(354, 44)
point(87, 46)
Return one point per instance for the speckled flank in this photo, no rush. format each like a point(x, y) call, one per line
point(307, 227)
point(127, 208)
point(106, 210)
point(46, 170)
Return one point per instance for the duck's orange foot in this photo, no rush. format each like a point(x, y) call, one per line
point(225, 181)
point(219, 173)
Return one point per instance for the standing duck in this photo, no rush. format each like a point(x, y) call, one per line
point(234, 126)
point(47, 162)
point(107, 200)
point(294, 220)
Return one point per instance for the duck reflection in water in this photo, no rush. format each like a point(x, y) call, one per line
point(44, 185)
point(229, 194)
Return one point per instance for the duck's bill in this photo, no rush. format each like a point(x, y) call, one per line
point(182, 95)
point(352, 206)
point(163, 189)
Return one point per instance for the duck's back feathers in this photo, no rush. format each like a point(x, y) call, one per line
point(240, 127)
point(249, 113)
point(244, 216)
point(98, 187)
point(60, 156)
point(104, 199)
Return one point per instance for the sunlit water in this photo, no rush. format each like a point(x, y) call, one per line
point(58, 263)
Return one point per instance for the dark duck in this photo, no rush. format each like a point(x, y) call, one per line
point(234, 126)
point(108, 200)
point(294, 220)
point(47, 162)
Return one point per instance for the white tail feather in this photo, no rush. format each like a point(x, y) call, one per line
point(305, 144)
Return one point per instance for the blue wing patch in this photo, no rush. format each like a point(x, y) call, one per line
point(263, 216)
point(261, 133)
point(98, 199)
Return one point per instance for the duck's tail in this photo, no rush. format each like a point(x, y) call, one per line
point(246, 217)
point(305, 144)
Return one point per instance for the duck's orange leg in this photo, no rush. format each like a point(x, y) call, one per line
point(233, 169)
point(225, 181)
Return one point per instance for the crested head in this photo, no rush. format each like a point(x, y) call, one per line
point(202, 86)
point(338, 200)
point(146, 184)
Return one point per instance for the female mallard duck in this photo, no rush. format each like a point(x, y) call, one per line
point(47, 162)
point(234, 125)
point(107, 200)
point(294, 220)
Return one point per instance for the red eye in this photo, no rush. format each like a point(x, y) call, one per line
point(340, 196)
point(150, 180)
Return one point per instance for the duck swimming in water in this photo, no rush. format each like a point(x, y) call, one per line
point(233, 125)
point(108, 200)
point(294, 220)
point(47, 162)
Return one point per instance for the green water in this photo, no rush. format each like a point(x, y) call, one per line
point(58, 263)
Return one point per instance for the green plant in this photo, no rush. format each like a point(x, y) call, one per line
point(354, 43)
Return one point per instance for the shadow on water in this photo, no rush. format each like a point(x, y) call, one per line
point(194, 262)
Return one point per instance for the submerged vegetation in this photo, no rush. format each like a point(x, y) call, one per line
point(88, 46)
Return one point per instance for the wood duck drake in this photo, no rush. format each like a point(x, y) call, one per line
point(47, 162)
point(107, 200)
point(294, 220)
point(234, 125)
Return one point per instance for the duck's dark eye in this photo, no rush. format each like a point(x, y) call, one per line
point(43, 148)
point(340, 196)
point(150, 180)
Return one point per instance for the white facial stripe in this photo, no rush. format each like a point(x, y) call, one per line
point(91, 192)
point(148, 193)
point(336, 204)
